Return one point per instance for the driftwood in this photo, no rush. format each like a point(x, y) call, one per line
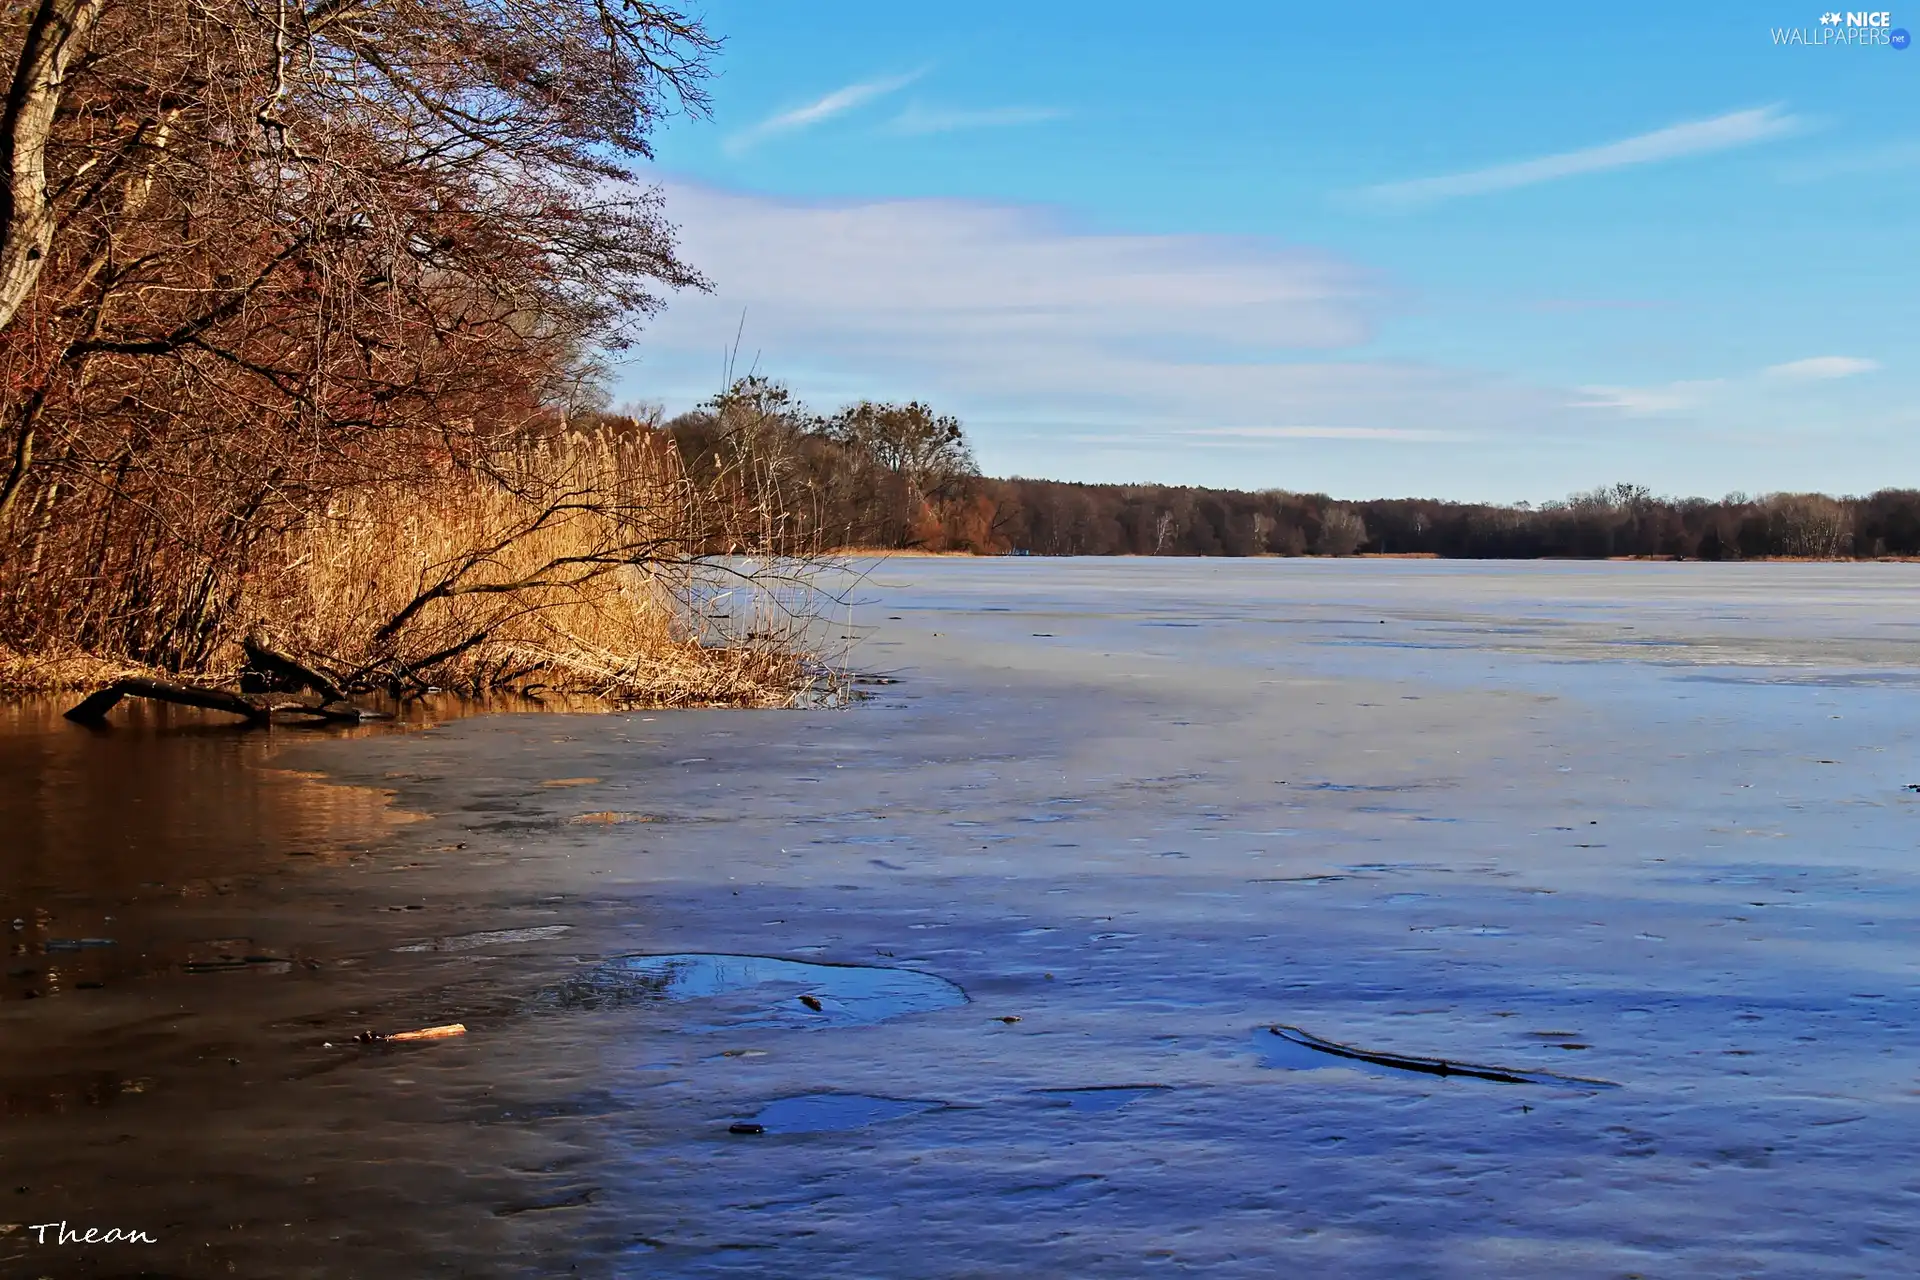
point(252, 709)
point(270, 677)
point(1432, 1066)
point(281, 671)
point(430, 1033)
point(94, 709)
point(425, 1033)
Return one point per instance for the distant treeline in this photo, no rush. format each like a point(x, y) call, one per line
point(903, 477)
point(1046, 517)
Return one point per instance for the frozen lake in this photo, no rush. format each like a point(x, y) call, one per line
point(1641, 824)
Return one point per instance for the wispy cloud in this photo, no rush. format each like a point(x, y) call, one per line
point(1822, 368)
point(838, 103)
point(1323, 433)
point(1050, 336)
point(1646, 402)
point(1132, 440)
point(1698, 137)
point(1575, 305)
point(916, 120)
point(1668, 398)
point(947, 272)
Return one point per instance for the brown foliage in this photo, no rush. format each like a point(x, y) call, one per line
point(566, 565)
point(871, 475)
point(313, 286)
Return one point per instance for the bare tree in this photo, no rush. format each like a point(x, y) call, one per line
point(916, 456)
point(1807, 525)
point(259, 257)
point(1342, 532)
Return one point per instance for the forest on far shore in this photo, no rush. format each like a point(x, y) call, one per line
point(903, 477)
point(1047, 517)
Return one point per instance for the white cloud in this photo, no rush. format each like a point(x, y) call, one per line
point(900, 271)
point(916, 120)
point(839, 102)
point(1325, 433)
point(1821, 368)
point(1036, 330)
point(1644, 402)
point(1698, 137)
point(1747, 391)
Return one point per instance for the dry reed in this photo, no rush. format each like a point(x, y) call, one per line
point(577, 563)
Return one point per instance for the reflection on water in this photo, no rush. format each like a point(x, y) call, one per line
point(162, 795)
point(104, 831)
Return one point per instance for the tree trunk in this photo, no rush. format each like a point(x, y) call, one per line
point(93, 710)
point(17, 473)
point(59, 30)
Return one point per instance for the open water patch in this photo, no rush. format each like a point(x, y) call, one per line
point(726, 992)
point(830, 1113)
point(1292, 1049)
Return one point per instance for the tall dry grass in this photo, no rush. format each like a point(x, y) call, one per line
point(578, 563)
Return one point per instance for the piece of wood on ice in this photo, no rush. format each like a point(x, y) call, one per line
point(432, 1033)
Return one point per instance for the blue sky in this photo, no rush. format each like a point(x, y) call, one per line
point(1491, 252)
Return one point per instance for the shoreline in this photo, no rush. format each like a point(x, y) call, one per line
point(752, 674)
point(25, 676)
point(914, 553)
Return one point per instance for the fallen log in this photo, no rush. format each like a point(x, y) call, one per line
point(94, 709)
point(254, 710)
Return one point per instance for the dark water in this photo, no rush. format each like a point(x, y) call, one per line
point(120, 843)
